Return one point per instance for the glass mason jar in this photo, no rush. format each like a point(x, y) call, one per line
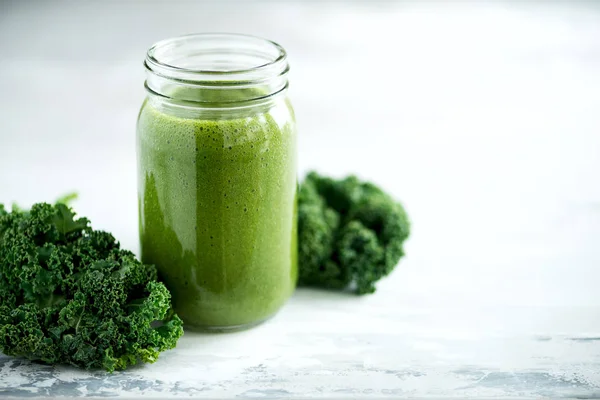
point(217, 183)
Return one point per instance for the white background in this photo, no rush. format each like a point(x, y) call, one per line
point(483, 118)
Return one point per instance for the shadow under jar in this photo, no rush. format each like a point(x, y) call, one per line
point(217, 180)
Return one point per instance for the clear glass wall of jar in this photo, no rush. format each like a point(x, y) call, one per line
point(217, 181)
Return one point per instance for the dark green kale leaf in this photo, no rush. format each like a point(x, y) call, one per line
point(351, 233)
point(71, 295)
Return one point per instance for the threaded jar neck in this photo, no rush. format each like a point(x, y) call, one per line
point(216, 69)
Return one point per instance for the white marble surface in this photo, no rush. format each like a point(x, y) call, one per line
point(483, 118)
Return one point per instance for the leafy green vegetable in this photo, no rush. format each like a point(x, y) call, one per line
point(70, 294)
point(67, 199)
point(351, 233)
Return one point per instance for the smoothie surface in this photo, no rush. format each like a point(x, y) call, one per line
point(218, 213)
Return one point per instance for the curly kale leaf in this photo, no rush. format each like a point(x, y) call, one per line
point(67, 199)
point(65, 222)
point(71, 295)
point(351, 233)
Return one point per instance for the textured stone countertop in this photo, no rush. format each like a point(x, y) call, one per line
point(484, 119)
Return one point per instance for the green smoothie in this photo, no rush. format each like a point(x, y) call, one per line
point(217, 201)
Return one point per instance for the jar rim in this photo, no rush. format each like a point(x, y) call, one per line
point(274, 57)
